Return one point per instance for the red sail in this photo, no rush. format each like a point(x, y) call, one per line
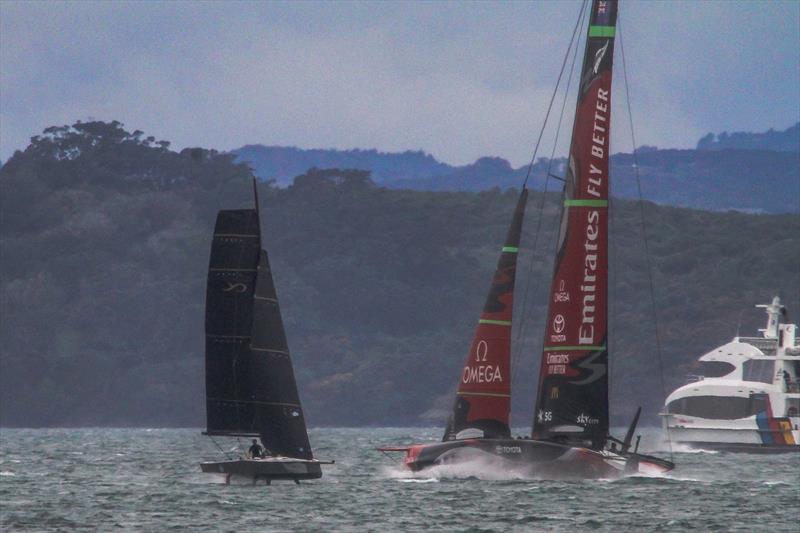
point(483, 400)
point(572, 401)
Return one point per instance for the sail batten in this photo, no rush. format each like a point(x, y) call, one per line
point(572, 399)
point(483, 399)
point(255, 402)
point(490, 394)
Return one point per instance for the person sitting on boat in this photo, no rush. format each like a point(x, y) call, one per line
point(255, 451)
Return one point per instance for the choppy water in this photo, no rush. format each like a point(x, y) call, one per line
point(149, 479)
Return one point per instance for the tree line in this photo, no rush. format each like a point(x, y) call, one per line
point(104, 242)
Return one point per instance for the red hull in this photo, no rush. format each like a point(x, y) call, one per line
point(536, 458)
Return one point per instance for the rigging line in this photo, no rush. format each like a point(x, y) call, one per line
point(520, 330)
point(219, 447)
point(611, 341)
point(554, 236)
point(644, 230)
point(520, 340)
point(553, 97)
point(566, 97)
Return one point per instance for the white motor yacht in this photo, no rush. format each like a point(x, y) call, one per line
point(746, 396)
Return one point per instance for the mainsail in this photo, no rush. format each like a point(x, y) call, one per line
point(572, 402)
point(250, 384)
point(483, 400)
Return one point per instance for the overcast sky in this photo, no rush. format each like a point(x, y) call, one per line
point(459, 80)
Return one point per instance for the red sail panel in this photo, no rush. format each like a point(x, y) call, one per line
point(483, 400)
point(572, 401)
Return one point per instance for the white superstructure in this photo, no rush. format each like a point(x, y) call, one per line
point(746, 395)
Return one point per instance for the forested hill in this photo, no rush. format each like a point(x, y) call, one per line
point(105, 237)
point(771, 140)
point(283, 163)
point(756, 172)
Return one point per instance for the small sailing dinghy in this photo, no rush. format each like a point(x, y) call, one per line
point(570, 435)
point(250, 385)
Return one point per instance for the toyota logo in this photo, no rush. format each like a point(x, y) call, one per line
point(558, 323)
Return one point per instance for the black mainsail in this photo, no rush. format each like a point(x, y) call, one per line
point(250, 383)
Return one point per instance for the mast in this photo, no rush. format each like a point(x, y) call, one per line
point(483, 400)
point(774, 311)
point(250, 383)
point(572, 398)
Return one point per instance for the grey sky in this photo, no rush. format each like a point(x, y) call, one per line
point(459, 80)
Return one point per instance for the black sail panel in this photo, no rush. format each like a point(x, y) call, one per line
point(229, 320)
point(275, 397)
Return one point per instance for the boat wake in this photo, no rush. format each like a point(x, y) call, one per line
point(774, 483)
point(653, 478)
point(685, 448)
point(481, 468)
point(417, 480)
point(489, 471)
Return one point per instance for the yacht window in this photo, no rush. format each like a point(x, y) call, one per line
point(760, 370)
point(715, 369)
point(792, 406)
point(717, 407)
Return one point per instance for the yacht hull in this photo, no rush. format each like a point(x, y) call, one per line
point(266, 469)
point(531, 457)
point(745, 436)
point(738, 447)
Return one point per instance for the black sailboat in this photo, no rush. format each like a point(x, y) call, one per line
point(570, 434)
point(250, 384)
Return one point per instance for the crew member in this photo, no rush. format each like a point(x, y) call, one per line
point(256, 451)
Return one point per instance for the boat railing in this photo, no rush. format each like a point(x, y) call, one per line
point(691, 378)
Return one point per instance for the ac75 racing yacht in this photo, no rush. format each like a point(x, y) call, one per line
point(747, 396)
point(570, 435)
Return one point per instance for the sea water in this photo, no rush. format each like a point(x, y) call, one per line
point(150, 479)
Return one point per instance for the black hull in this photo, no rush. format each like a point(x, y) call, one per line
point(536, 458)
point(733, 447)
point(265, 469)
